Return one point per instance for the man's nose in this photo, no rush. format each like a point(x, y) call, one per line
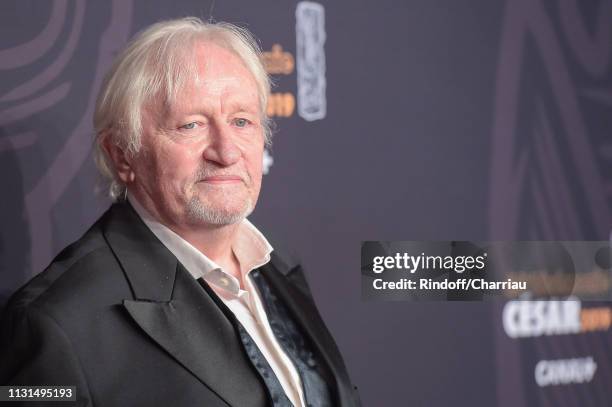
point(222, 148)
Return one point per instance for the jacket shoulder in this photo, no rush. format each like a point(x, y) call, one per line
point(73, 274)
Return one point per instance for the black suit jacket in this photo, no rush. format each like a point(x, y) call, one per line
point(119, 317)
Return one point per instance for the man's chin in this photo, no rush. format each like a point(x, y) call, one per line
point(218, 215)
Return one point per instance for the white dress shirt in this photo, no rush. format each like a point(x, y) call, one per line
point(252, 251)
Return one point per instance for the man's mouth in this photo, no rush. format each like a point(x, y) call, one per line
point(222, 179)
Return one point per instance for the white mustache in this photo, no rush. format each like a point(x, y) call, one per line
point(204, 173)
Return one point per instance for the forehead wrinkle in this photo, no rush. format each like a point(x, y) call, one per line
point(212, 94)
point(238, 106)
point(216, 86)
point(211, 58)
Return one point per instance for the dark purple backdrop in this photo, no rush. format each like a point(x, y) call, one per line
point(444, 120)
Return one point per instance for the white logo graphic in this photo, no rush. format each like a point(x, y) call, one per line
point(524, 319)
point(268, 160)
point(565, 371)
point(310, 39)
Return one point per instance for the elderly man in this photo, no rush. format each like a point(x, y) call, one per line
point(173, 298)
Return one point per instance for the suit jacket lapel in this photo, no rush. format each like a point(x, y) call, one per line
point(305, 313)
point(174, 311)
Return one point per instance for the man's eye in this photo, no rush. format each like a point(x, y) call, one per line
point(189, 126)
point(240, 122)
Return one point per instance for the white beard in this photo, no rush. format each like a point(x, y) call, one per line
point(200, 211)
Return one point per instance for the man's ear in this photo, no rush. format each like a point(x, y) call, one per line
point(121, 159)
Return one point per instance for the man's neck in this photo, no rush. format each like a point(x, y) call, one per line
point(216, 244)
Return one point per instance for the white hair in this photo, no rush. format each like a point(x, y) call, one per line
point(156, 64)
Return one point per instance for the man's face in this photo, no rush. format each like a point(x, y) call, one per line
point(200, 163)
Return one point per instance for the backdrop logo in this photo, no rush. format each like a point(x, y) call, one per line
point(550, 142)
point(523, 319)
point(279, 62)
point(310, 41)
point(48, 107)
point(565, 371)
point(310, 69)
